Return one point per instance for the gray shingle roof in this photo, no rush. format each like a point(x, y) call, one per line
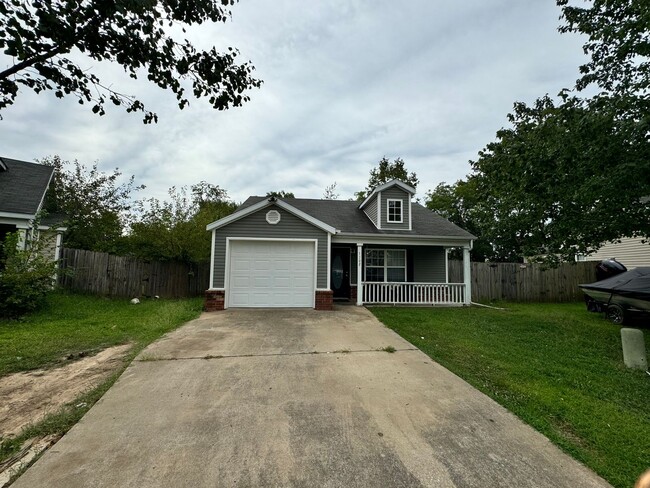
point(346, 217)
point(22, 186)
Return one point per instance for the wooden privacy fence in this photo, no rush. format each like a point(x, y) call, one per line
point(525, 282)
point(120, 276)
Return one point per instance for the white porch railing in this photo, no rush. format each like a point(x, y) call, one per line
point(413, 293)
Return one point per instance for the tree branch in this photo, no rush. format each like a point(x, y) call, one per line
point(30, 62)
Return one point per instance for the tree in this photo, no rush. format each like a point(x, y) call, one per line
point(43, 39)
point(458, 203)
point(330, 192)
point(97, 207)
point(385, 172)
point(26, 276)
point(617, 42)
point(175, 229)
point(563, 180)
point(280, 194)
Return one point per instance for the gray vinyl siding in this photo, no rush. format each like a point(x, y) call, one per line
point(255, 225)
point(371, 210)
point(429, 264)
point(393, 194)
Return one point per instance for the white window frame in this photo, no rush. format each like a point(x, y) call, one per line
point(385, 266)
point(401, 211)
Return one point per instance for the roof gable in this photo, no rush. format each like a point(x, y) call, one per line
point(346, 217)
point(23, 186)
point(243, 211)
point(386, 186)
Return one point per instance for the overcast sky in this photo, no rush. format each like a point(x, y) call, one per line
point(345, 83)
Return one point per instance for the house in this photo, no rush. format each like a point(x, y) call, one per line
point(631, 252)
point(294, 252)
point(23, 187)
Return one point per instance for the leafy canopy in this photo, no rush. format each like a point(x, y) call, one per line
point(280, 194)
point(175, 229)
point(42, 40)
point(385, 172)
point(96, 205)
point(560, 182)
point(618, 44)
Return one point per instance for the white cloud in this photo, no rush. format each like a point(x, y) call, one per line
point(345, 83)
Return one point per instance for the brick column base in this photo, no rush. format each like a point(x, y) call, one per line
point(353, 294)
point(324, 300)
point(214, 300)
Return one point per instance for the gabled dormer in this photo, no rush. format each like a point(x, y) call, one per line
point(389, 206)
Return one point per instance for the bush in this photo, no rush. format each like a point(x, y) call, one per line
point(26, 277)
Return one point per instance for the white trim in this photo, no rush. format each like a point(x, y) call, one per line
point(265, 203)
point(21, 216)
point(214, 240)
point(216, 289)
point(379, 210)
point(399, 240)
point(385, 266)
point(410, 215)
point(19, 224)
point(267, 239)
point(38, 209)
point(226, 277)
point(401, 211)
point(385, 186)
point(47, 227)
point(467, 275)
point(57, 249)
point(329, 261)
point(446, 265)
point(359, 273)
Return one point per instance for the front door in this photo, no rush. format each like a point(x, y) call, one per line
point(340, 279)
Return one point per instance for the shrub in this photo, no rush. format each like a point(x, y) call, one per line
point(26, 277)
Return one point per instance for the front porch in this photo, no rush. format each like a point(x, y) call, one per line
point(374, 293)
point(413, 273)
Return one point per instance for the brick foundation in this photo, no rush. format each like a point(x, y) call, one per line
point(353, 294)
point(324, 300)
point(214, 300)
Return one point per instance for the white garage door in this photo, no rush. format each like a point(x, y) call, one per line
point(271, 274)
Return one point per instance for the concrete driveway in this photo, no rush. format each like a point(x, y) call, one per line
point(247, 398)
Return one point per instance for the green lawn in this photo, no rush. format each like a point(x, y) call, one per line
point(73, 324)
point(556, 366)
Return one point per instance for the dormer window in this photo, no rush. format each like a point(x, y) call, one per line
point(394, 211)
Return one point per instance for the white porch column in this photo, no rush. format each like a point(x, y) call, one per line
point(467, 278)
point(22, 239)
point(359, 273)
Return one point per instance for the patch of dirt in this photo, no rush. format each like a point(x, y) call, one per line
point(29, 451)
point(28, 397)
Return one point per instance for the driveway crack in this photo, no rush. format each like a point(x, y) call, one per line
point(149, 358)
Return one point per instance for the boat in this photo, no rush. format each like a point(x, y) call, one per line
point(620, 296)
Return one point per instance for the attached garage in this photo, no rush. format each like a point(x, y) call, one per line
point(271, 273)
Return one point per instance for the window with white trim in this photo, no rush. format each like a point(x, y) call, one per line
point(394, 211)
point(386, 265)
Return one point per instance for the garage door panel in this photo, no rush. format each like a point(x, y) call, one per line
point(271, 274)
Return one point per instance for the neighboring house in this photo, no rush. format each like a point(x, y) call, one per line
point(23, 187)
point(295, 252)
point(631, 252)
